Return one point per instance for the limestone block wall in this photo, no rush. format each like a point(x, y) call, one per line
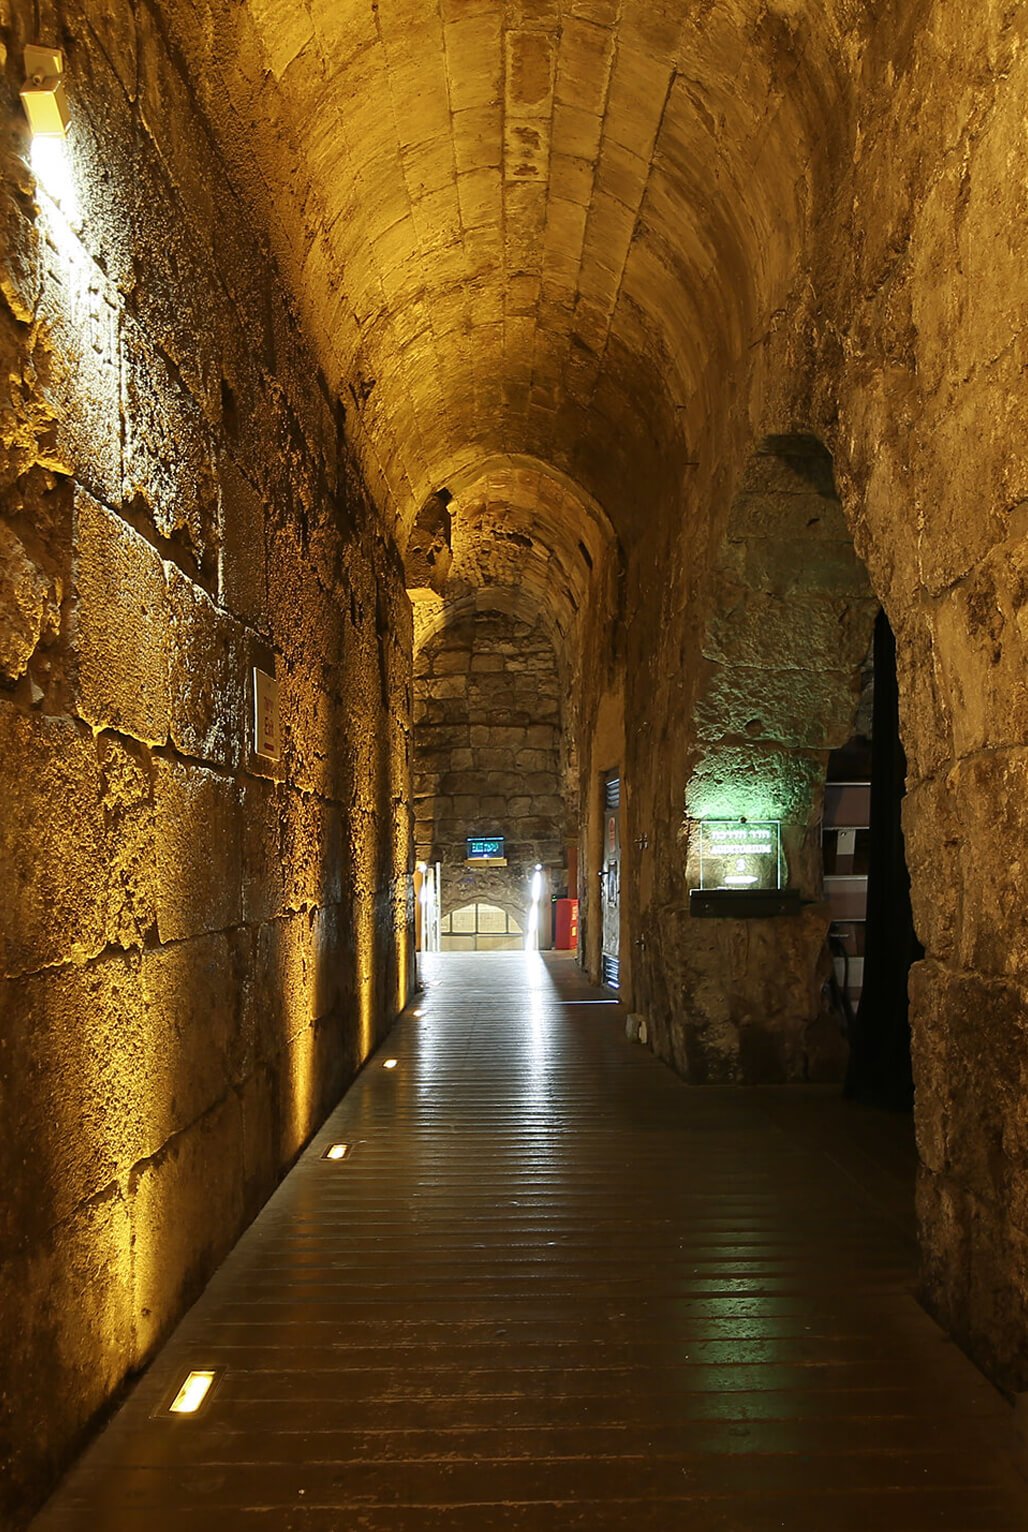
point(487, 741)
point(198, 946)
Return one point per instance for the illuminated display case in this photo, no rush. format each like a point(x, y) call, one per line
point(740, 854)
point(741, 870)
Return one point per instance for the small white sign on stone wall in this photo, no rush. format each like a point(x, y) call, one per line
point(266, 730)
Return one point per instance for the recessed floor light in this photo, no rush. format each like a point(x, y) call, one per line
point(336, 1152)
point(193, 1392)
point(390, 1064)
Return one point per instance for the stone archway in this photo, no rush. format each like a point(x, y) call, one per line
point(791, 612)
point(488, 726)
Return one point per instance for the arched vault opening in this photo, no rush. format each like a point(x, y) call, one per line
point(790, 617)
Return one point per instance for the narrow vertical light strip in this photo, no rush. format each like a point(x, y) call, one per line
point(532, 937)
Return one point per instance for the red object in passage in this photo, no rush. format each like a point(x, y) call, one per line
point(566, 925)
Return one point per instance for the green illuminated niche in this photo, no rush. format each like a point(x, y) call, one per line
point(739, 781)
point(741, 854)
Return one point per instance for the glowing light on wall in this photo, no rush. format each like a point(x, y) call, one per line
point(364, 963)
point(192, 1393)
point(54, 172)
point(532, 933)
point(759, 784)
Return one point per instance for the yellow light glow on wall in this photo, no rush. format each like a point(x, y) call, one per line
point(192, 1393)
point(364, 953)
point(51, 166)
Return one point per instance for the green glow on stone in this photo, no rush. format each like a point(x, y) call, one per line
point(740, 782)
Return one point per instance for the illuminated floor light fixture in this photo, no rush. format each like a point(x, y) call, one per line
point(336, 1152)
point(390, 1063)
point(43, 95)
point(193, 1392)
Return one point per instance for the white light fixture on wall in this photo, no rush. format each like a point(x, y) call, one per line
point(43, 95)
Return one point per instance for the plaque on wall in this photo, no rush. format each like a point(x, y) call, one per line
point(486, 851)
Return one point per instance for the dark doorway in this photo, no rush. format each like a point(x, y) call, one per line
point(879, 1067)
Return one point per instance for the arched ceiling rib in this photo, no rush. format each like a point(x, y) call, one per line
point(529, 228)
point(521, 527)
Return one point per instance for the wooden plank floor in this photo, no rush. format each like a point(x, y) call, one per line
point(556, 1288)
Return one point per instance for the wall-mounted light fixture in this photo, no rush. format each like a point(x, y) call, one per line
point(43, 95)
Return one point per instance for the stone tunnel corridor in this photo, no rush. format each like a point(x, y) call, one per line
point(549, 1287)
point(468, 462)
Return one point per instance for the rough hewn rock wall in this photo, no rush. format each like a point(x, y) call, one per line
point(930, 447)
point(487, 741)
point(789, 615)
point(198, 947)
point(903, 349)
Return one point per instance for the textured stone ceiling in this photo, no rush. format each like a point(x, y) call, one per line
point(533, 228)
point(517, 525)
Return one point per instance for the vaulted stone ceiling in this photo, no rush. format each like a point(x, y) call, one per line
point(532, 230)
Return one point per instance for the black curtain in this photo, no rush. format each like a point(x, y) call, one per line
point(879, 1066)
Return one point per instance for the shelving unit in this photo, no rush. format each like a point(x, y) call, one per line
point(844, 847)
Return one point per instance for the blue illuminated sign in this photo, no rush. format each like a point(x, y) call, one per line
point(485, 847)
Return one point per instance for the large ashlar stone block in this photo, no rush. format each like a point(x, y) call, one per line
point(243, 573)
point(199, 850)
point(76, 1082)
point(970, 1052)
point(196, 1044)
point(926, 719)
point(797, 566)
point(207, 676)
point(75, 843)
point(763, 781)
point(102, 175)
point(78, 362)
point(806, 709)
point(991, 788)
point(972, 1264)
point(187, 1209)
point(981, 648)
point(761, 630)
point(283, 987)
point(933, 834)
point(29, 605)
point(314, 851)
point(748, 999)
point(169, 460)
point(264, 868)
point(950, 543)
point(122, 624)
point(68, 1340)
